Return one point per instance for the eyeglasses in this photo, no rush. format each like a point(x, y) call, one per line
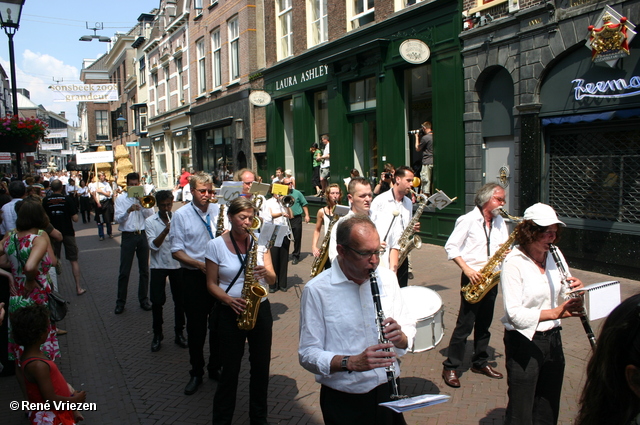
point(367, 255)
point(204, 191)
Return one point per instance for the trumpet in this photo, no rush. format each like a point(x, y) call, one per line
point(148, 201)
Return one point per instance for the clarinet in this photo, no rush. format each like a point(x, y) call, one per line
point(391, 375)
point(564, 275)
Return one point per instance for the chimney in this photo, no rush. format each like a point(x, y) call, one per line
point(62, 114)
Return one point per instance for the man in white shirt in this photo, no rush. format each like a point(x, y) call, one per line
point(131, 216)
point(103, 196)
point(17, 190)
point(339, 336)
point(383, 208)
point(476, 237)
point(325, 172)
point(192, 227)
point(163, 266)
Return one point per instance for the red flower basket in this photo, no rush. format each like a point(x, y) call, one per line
point(21, 134)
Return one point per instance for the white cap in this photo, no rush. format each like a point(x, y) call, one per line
point(542, 214)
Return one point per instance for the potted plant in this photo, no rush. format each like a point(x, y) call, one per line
point(19, 134)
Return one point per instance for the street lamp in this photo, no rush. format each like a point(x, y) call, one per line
point(120, 123)
point(10, 11)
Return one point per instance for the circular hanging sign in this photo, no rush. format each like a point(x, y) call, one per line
point(259, 98)
point(415, 51)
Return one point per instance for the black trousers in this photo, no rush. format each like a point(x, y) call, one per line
point(472, 317)
point(133, 244)
point(403, 273)
point(85, 209)
point(339, 408)
point(198, 303)
point(259, 338)
point(296, 226)
point(535, 370)
point(158, 297)
point(280, 260)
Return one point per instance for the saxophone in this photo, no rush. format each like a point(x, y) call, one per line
point(252, 291)
point(320, 260)
point(473, 293)
point(408, 240)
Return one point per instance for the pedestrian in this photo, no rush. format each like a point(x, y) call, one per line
point(230, 258)
point(341, 341)
point(476, 237)
point(315, 180)
point(325, 170)
point(17, 190)
point(62, 214)
point(279, 215)
point(424, 144)
point(131, 216)
point(84, 197)
point(162, 267)
point(299, 207)
point(103, 196)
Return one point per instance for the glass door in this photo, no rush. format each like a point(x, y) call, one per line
point(365, 144)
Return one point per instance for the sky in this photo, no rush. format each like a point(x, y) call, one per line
point(47, 47)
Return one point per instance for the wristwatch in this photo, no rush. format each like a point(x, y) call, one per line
point(343, 363)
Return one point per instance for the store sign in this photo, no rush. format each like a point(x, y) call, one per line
point(610, 89)
point(57, 133)
point(415, 51)
point(84, 92)
point(611, 40)
point(259, 98)
point(50, 146)
point(132, 144)
point(5, 158)
point(308, 75)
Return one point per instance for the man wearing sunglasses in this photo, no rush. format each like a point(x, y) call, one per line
point(192, 227)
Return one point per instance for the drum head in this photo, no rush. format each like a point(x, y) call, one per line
point(422, 302)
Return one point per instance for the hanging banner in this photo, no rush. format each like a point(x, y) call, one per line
point(5, 158)
point(50, 146)
point(94, 157)
point(84, 92)
point(57, 133)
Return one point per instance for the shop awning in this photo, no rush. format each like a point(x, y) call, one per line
point(597, 116)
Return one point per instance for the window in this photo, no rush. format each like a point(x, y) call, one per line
point(359, 13)
point(202, 82)
point(216, 66)
point(487, 4)
point(102, 125)
point(180, 80)
point(166, 88)
point(362, 94)
point(197, 4)
point(284, 32)
point(317, 18)
point(143, 119)
point(154, 80)
point(321, 113)
point(142, 78)
point(234, 49)
point(401, 4)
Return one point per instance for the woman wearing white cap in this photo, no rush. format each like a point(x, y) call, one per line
point(532, 290)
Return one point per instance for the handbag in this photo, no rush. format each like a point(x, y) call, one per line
point(58, 306)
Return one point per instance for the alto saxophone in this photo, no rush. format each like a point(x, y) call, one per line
point(473, 293)
point(252, 291)
point(408, 240)
point(320, 260)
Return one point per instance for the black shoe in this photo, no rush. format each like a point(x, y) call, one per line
point(181, 341)
point(410, 275)
point(295, 261)
point(283, 289)
point(214, 374)
point(193, 385)
point(119, 309)
point(272, 289)
point(146, 306)
point(155, 344)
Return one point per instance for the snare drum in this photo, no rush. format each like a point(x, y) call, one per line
point(425, 305)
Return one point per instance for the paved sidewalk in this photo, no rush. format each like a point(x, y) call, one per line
point(109, 356)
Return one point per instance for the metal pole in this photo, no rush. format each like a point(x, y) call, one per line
point(14, 88)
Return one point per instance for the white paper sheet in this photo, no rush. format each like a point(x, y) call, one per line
point(417, 402)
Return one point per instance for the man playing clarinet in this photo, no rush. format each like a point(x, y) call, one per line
point(339, 340)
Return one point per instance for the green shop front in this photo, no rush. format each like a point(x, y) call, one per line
point(361, 92)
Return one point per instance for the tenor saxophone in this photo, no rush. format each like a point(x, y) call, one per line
point(320, 260)
point(252, 291)
point(408, 240)
point(473, 293)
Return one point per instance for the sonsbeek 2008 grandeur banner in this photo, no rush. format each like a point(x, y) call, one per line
point(84, 92)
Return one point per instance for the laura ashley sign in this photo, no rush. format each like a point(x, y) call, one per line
point(610, 89)
point(309, 74)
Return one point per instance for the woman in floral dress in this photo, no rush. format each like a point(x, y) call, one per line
point(29, 252)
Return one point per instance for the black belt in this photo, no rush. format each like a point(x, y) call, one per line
point(549, 332)
point(135, 232)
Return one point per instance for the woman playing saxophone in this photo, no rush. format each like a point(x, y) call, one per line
point(227, 257)
point(333, 196)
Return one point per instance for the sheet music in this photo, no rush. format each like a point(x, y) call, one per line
point(603, 297)
point(417, 402)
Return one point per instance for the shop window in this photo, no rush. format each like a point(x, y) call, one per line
point(321, 113)
point(218, 152)
point(594, 173)
point(234, 48)
point(317, 22)
point(102, 125)
point(362, 94)
point(161, 164)
point(359, 13)
point(202, 74)
point(284, 29)
point(216, 65)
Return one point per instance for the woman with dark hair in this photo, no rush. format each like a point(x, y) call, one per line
point(611, 394)
point(333, 196)
point(228, 260)
point(531, 286)
point(29, 252)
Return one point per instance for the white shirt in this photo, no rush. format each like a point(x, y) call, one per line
point(189, 232)
point(325, 163)
point(469, 240)
point(71, 190)
point(228, 266)
point(526, 292)
point(333, 250)
point(130, 221)
point(382, 208)
point(160, 257)
point(83, 192)
point(338, 317)
point(105, 187)
point(9, 216)
point(273, 206)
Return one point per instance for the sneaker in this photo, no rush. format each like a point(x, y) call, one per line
point(101, 238)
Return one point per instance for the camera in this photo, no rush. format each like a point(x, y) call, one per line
point(414, 131)
point(386, 176)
